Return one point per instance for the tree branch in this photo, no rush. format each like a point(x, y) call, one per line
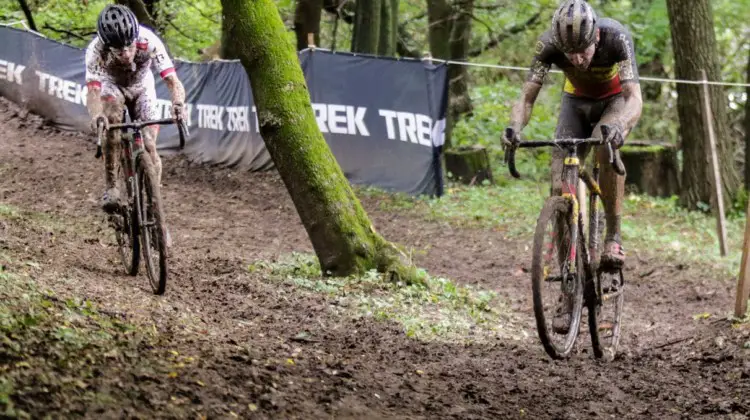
point(27, 13)
point(494, 41)
point(491, 6)
point(201, 12)
point(485, 24)
point(176, 28)
point(414, 18)
point(69, 33)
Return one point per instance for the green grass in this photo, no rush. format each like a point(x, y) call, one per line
point(440, 309)
point(54, 350)
point(654, 227)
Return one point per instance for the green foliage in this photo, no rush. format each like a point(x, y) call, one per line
point(439, 308)
point(654, 227)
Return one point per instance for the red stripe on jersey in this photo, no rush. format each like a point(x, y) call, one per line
point(167, 72)
point(93, 83)
point(141, 45)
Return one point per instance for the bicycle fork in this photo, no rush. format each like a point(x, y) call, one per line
point(570, 193)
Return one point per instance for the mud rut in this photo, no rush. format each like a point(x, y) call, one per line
point(221, 220)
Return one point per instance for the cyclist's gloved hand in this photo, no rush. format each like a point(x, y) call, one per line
point(511, 136)
point(177, 109)
point(97, 120)
point(615, 136)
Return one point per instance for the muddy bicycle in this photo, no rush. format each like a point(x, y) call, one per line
point(139, 222)
point(575, 272)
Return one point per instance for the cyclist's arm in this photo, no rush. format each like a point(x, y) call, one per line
point(165, 67)
point(540, 65)
point(94, 76)
point(520, 114)
point(631, 87)
point(631, 112)
point(176, 89)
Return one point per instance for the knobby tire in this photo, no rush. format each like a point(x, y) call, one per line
point(153, 231)
point(126, 232)
point(594, 293)
point(555, 208)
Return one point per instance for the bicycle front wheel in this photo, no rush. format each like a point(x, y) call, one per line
point(153, 231)
point(605, 302)
point(125, 223)
point(557, 279)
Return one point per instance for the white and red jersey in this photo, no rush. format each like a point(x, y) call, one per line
point(103, 67)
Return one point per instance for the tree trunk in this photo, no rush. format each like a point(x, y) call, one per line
point(27, 12)
point(439, 14)
point(340, 231)
point(747, 129)
point(459, 50)
point(366, 31)
point(306, 21)
point(229, 48)
point(388, 27)
point(694, 46)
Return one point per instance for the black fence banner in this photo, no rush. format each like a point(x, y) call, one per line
point(383, 118)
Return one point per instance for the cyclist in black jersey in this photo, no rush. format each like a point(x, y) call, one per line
point(598, 59)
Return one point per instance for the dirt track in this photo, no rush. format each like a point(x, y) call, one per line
point(221, 220)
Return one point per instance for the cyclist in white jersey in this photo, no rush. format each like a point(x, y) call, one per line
point(118, 73)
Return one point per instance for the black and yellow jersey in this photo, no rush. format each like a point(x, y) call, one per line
point(613, 63)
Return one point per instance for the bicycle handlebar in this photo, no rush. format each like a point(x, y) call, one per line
point(510, 153)
point(182, 129)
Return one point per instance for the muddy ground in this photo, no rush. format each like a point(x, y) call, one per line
point(242, 329)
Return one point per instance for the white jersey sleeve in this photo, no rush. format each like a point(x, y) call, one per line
point(158, 52)
point(95, 73)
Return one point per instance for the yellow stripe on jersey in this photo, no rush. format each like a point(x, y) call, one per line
point(594, 75)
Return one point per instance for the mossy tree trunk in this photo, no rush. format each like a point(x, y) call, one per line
point(307, 21)
point(694, 46)
point(366, 31)
point(340, 231)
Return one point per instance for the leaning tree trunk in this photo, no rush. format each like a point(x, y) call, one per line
point(747, 129)
point(366, 31)
point(694, 46)
point(307, 21)
point(340, 231)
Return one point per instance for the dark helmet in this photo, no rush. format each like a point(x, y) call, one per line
point(574, 26)
point(117, 26)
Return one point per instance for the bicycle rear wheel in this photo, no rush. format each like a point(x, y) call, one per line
point(125, 224)
point(554, 279)
point(605, 301)
point(153, 232)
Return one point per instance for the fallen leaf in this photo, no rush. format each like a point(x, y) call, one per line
point(172, 374)
point(199, 382)
point(290, 362)
point(252, 407)
point(420, 372)
point(174, 352)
